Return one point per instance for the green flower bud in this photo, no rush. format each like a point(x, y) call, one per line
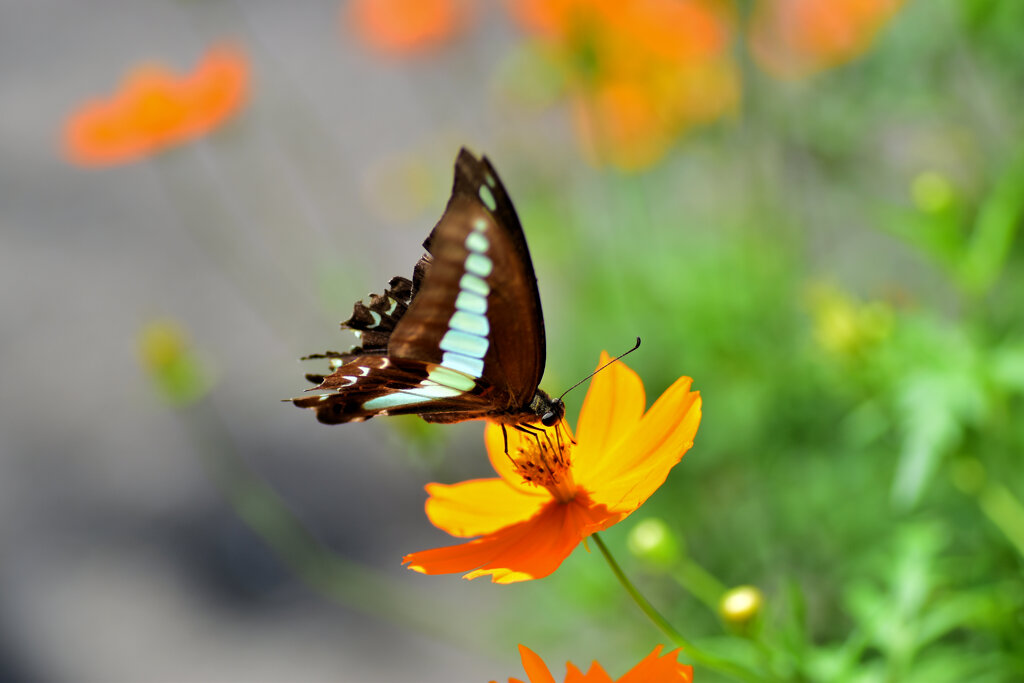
point(652, 540)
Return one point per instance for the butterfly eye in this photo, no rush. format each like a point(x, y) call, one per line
point(551, 417)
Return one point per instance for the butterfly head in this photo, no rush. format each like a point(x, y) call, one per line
point(550, 410)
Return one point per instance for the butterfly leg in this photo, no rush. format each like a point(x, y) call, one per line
point(532, 431)
point(558, 437)
point(551, 444)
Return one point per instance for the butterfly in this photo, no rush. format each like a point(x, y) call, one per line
point(464, 338)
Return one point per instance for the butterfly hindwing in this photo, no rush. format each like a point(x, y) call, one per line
point(376, 385)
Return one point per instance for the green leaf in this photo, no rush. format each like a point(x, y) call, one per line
point(995, 228)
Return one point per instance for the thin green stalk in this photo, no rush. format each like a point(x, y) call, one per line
point(703, 658)
point(700, 583)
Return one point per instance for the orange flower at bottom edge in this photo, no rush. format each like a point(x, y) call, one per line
point(155, 108)
point(551, 493)
point(654, 668)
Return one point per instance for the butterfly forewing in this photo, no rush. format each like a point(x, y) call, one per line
point(465, 337)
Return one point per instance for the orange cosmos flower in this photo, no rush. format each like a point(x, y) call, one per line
point(552, 493)
point(796, 38)
point(402, 27)
point(155, 108)
point(639, 74)
point(654, 668)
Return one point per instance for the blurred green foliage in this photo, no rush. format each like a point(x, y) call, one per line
point(841, 273)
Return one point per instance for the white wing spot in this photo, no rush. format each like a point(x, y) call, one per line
point(471, 303)
point(433, 390)
point(394, 305)
point(487, 197)
point(479, 265)
point(466, 344)
point(477, 243)
point(474, 367)
point(376, 319)
point(474, 285)
point(451, 378)
point(395, 400)
point(471, 323)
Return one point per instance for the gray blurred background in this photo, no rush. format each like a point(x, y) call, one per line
point(121, 557)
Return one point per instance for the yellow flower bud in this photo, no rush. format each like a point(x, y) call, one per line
point(740, 606)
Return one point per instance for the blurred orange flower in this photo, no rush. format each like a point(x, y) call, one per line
point(639, 73)
point(402, 27)
point(654, 668)
point(796, 38)
point(552, 493)
point(155, 108)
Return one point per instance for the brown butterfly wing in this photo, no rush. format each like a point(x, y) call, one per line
point(479, 240)
point(464, 338)
point(367, 386)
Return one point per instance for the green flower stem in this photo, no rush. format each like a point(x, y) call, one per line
point(700, 583)
point(699, 657)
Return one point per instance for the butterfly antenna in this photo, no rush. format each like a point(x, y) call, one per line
point(618, 357)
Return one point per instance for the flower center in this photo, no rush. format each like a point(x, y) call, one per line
point(542, 459)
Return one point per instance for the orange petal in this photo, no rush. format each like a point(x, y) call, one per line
point(494, 441)
point(155, 108)
point(523, 551)
point(623, 123)
point(613, 405)
point(638, 465)
point(154, 103)
point(535, 668)
point(684, 31)
point(217, 89)
point(481, 506)
point(549, 18)
point(96, 134)
point(795, 38)
point(657, 668)
point(595, 674)
point(401, 27)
